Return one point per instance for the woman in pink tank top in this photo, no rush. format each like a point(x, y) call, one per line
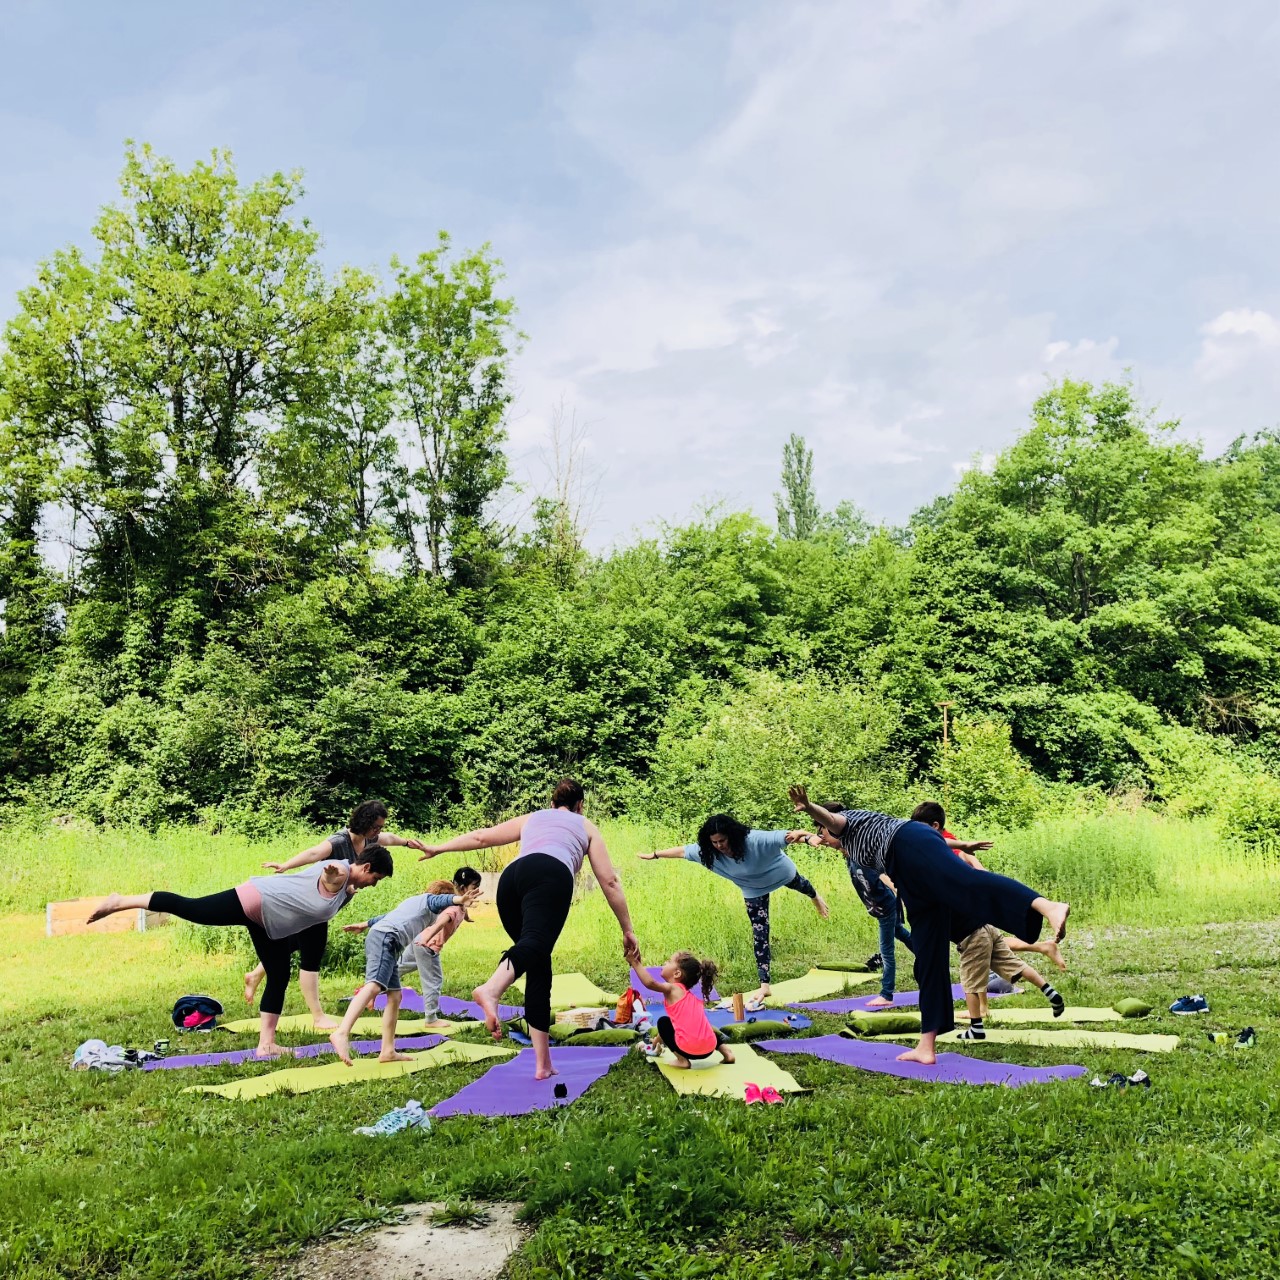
point(534, 895)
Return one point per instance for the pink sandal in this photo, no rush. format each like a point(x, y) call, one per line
point(770, 1094)
point(752, 1094)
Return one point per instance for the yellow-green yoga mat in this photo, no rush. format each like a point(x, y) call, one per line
point(575, 990)
point(817, 984)
point(725, 1081)
point(1064, 1038)
point(999, 1013)
point(332, 1074)
point(369, 1025)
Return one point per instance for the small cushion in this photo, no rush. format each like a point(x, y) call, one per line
point(1131, 1008)
point(611, 1035)
point(764, 1029)
point(883, 1024)
point(845, 966)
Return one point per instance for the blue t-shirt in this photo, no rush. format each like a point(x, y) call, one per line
point(763, 867)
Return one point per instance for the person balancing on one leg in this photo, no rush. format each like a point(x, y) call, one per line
point(383, 946)
point(984, 951)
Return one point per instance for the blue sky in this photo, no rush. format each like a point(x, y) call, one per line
point(883, 225)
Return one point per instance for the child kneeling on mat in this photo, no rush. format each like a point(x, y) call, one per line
point(388, 936)
point(685, 1028)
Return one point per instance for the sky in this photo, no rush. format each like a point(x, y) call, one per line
point(884, 225)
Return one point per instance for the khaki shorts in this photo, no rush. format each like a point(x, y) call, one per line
point(982, 953)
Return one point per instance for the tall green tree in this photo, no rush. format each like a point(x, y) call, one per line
point(797, 504)
point(449, 339)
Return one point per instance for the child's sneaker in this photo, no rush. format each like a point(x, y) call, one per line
point(1218, 1037)
point(410, 1116)
point(1246, 1039)
point(1189, 1004)
point(875, 962)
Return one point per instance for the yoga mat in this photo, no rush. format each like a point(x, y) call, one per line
point(651, 997)
point(901, 1000)
point(1044, 1013)
point(951, 1068)
point(728, 1081)
point(571, 990)
point(717, 1018)
point(1066, 1038)
point(332, 1074)
point(236, 1056)
point(300, 1024)
point(816, 985)
point(509, 1089)
point(410, 1001)
point(452, 1007)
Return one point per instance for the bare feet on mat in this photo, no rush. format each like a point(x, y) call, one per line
point(393, 1056)
point(758, 996)
point(489, 1004)
point(727, 1055)
point(681, 1061)
point(823, 910)
point(545, 1073)
point(325, 1023)
point(926, 1057)
point(341, 1045)
point(879, 1002)
point(109, 907)
point(437, 1024)
point(273, 1051)
point(251, 981)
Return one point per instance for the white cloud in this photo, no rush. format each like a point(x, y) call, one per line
point(1233, 339)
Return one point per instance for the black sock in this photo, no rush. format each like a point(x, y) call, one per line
point(1054, 998)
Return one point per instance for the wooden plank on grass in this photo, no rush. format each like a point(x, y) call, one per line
point(64, 918)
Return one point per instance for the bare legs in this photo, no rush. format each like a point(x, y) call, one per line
point(1048, 948)
point(310, 985)
point(267, 1047)
point(923, 1052)
point(341, 1038)
point(120, 902)
point(390, 1016)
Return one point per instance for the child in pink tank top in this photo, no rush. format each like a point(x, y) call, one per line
point(685, 1028)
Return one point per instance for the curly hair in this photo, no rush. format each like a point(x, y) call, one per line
point(722, 824)
point(693, 971)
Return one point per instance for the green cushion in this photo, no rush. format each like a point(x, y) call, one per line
point(765, 1029)
point(845, 966)
point(883, 1024)
point(1131, 1008)
point(611, 1035)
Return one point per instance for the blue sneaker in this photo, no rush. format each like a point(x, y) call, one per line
point(1189, 1004)
point(410, 1116)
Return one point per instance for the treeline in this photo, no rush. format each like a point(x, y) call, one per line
point(251, 567)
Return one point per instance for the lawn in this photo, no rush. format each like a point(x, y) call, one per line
point(864, 1175)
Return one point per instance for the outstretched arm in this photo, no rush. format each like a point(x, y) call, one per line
point(317, 853)
point(967, 848)
point(611, 886)
point(834, 822)
point(389, 841)
point(662, 853)
point(654, 984)
point(482, 838)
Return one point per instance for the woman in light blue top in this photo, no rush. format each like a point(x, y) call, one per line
point(756, 861)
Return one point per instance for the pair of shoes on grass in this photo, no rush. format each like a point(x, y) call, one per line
point(1245, 1039)
point(1139, 1080)
point(1189, 1004)
point(754, 1093)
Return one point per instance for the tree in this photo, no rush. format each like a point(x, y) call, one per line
point(797, 505)
point(449, 341)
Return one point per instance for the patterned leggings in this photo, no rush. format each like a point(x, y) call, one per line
point(758, 914)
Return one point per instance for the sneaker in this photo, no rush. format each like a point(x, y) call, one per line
point(1218, 1037)
point(1189, 1004)
point(410, 1116)
point(875, 962)
point(1246, 1039)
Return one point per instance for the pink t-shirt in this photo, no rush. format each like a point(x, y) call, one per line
point(450, 918)
point(693, 1030)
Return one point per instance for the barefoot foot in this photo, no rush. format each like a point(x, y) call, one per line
point(341, 1045)
point(109, 907)
point(325, 1023)
point(879, 1002)
point(545, 1073)
point(273, 1051)
point(727, 1055)
point(1050, 949)
point(393, 1056)
point(925, 1057)
point(483, 997)
point(681, 1062)
point(251, 981)
point(1057, 917)
point(437, 1024)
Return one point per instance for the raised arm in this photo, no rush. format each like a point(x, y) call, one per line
point(677, 852)
point(654, 984)
point(606, 875)
point(482, 838)
point(333, 878)
point(834, 822)
point(317, 853)
point(967, 848)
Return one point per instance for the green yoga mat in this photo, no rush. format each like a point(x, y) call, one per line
point(999, 1014)
point(576, 990)
point(369, 1025)
point(1065, 1038)
point(334, 1074)
point(726, 1080)
point(817, 984)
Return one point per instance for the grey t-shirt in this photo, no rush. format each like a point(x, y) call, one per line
point(291, 903)
point(406, 921)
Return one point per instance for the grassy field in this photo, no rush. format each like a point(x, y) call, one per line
point(865, 1175)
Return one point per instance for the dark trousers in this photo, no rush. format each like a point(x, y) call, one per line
point(667, 1034)
point(224, 910)
point(534, 895)
point(936, 886)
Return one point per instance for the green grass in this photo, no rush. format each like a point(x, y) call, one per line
point(126, 1175)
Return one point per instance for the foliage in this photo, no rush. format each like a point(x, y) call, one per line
point(797, 504)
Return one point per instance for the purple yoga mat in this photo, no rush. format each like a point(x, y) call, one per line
point(509, 1089)
point(901, 1000)
point(450, 1006)
point(951, 1068)
point(236, 1056)
point(650, 997)
point(410, 1001)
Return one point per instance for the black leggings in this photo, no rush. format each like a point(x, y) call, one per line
point(534, 894)
point(942, 892)
point(758, 914)
point(667, 1034)
point(224, 909)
